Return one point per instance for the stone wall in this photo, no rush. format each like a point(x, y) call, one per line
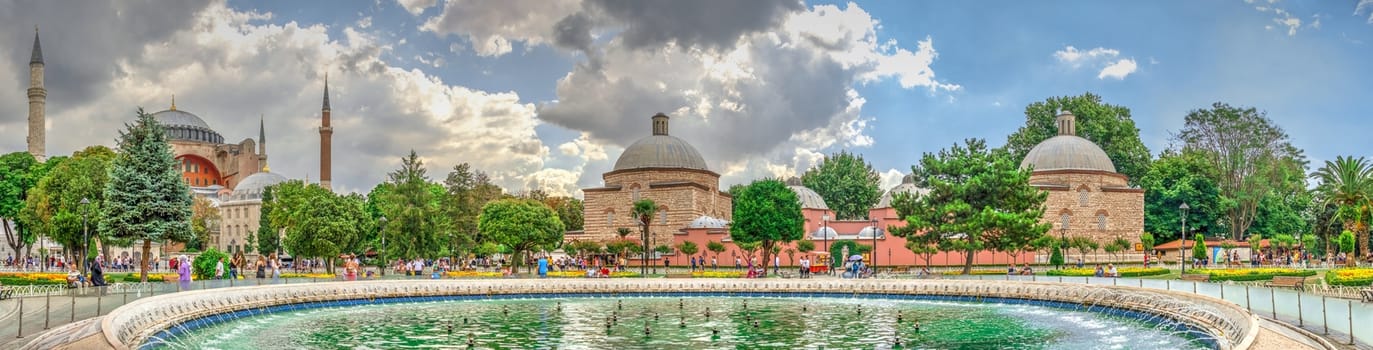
point(1087, 198)
point(686, 195)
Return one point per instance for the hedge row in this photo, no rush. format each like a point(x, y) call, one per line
point(1353, 277)
point(1254, 274)
point(1124, 272)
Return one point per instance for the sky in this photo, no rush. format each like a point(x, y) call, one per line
point(545, 94)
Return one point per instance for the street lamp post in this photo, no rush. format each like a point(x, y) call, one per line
point(1181, 260)
point(381, 229)
point(85, 237)
point(1062, 240)
point(875, 231)
point(826, 232)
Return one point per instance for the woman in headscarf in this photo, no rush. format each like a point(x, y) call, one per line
point(183, 272)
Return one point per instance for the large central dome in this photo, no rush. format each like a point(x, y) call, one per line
point(182, 125)
point(660, 150)
point(1067, 151)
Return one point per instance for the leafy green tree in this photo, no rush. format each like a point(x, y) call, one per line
point(924, 250)
point(767, 212)
point(1347, 242)
point(468, 190)
point(688, 248)
point(54, 206)
point(805, 246)
point(414, 226)
point(1199, 248)
point(1255, 244)
point(1147, 240)
point(1109, 126)
point(520, 224)
point(1285, 209)
point(1083, 245)
point(979, 199)
point(623, 232)
point(1057, 258)
point(837, 256)
point(1308, 243)
point(849, 185)
point(319, 223)
point(644, 211)
point(1346, 184)
point(569, 211)
point(204, 264)
point(1252, 155)
point(716, 248)
point(663, 249)
point(1177, 178)
point(268, 237)
point(1119, 244)
point(204, 218)
point(146, 198)
point(587, 247)
point(19, 172)
point(620, 247)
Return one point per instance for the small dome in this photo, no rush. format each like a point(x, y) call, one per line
point(252, 186)
point(707, 222)
point(867, 232)
point(809, 199)
point(824, 233)
point(907, 186)
point(1068, 152)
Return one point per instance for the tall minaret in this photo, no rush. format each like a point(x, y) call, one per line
point(38, 100)
point(262, 143)
point(326, 132)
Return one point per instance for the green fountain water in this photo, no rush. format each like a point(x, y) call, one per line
point(690, 323)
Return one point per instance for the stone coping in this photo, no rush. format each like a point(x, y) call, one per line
point(130, 326)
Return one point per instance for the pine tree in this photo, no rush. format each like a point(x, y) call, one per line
point(145, 198)
point(268, 237)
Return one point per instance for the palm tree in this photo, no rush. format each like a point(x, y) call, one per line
point(1347, 184)
point(644, 210)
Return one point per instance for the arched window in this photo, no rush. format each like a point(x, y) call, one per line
point(662, 216)
point(1082, 196)
point(1101, 220)
point(1065, 217)
point(610, 218)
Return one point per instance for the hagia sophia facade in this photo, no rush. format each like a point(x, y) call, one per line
point(231, 175)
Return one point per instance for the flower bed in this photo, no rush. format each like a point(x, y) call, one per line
point(473, 274)
point(979, 272)
point(133, 277)
point(717, 274)
point(1124, 272)
point(1350, 276)
point(25, 279)
point(1253, 274)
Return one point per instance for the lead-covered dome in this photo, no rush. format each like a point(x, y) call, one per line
point(183, 125)
point(907, 186)
point(808, 198)
point(660, 150)
point(252, 186)
point(708, 222)
point(1067, 151)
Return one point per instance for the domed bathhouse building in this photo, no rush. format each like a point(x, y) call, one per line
point(1087, 197)
point(665, 169)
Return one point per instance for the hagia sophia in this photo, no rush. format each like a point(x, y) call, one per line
point(231, 175)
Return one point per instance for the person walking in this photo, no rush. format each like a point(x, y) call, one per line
point(776, 264)
point(183, 272)
point(219, 268)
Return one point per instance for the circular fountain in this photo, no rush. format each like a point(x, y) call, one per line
point(663, 312)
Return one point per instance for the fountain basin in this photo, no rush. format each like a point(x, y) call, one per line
point(133, 325)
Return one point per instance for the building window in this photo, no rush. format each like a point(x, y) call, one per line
point(1101, 221)
point(1082, 196)
point(662, 217)
point(610, 219)
point(1064, 218)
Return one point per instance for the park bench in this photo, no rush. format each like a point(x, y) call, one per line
point(1197, 277)
point(1367, 295)
point(6, 292)
point(1287, 281)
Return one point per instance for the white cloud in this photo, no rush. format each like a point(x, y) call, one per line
point(1105, 58)
point(416, 7)
point(892, 177)
point(365, 22)
point(1364, 5)
point(492, 27)
point(1292, 23)
point(1118, 70)
point(1076, 58)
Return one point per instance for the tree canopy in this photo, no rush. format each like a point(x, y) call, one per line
point(1252, 155)
point(319, 223)
point(415, 226)
point(520, 224)
point(54, 205)
point(1346, 186)
point(1109, 126)
point(849, 185)
point(766, 212)
point(979, 199)
point(19, 172)
point(1177, 178)
point(146, 198)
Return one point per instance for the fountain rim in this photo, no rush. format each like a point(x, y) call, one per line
point(181, 307)
point(1204, 336)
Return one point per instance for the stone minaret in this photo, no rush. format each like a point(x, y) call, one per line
point(1067, 123)
point(38, 100)
point(326, 133)
point(262, 143)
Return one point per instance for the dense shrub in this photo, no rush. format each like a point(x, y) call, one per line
point(1353, 276)
point(1255, 274)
